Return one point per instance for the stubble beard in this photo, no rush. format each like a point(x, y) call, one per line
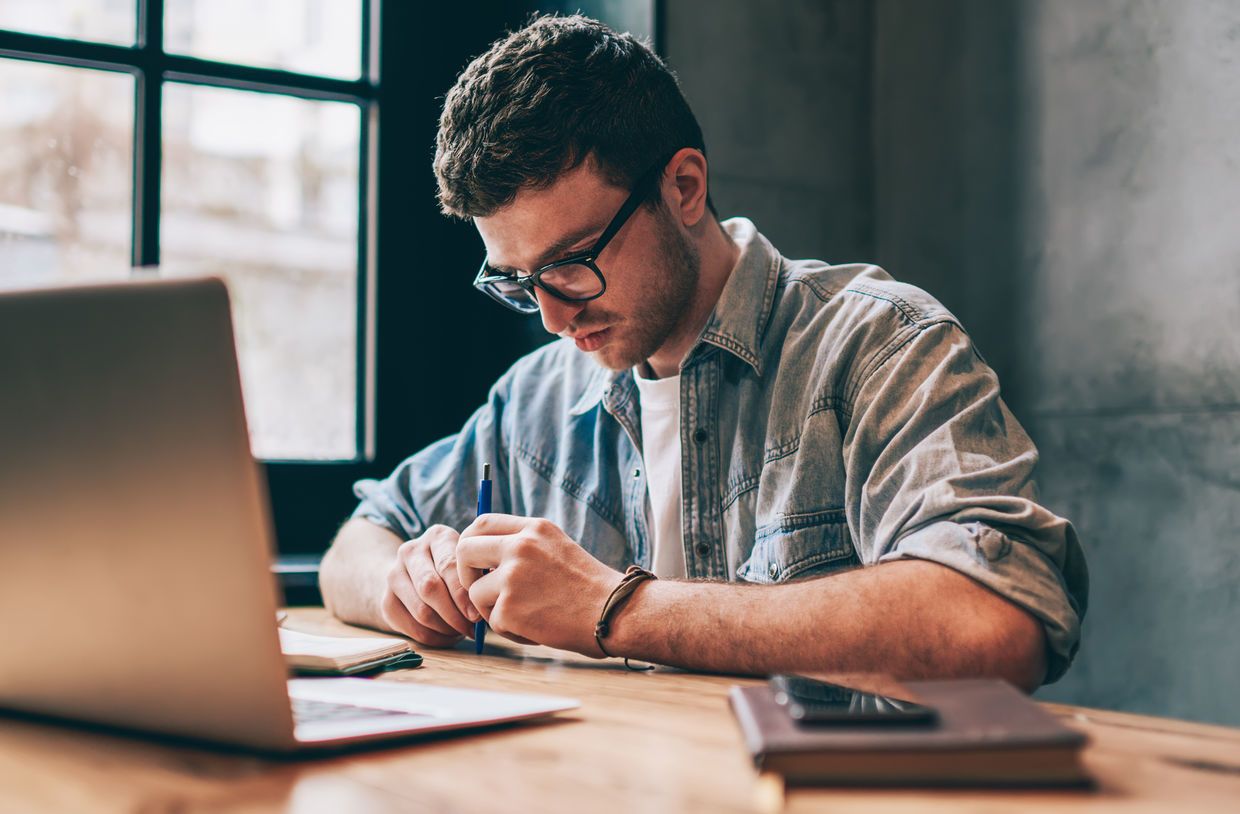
point(665, 303)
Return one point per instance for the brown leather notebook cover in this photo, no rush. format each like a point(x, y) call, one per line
point(988, 734)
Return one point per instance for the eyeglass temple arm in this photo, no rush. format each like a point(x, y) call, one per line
point(632, 202)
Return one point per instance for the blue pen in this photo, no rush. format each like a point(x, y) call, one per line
point(484, 507)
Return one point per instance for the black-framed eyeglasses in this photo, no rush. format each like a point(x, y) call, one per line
point(573, 279)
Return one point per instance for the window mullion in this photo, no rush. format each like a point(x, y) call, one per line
point(148, 134)
point(367, 274)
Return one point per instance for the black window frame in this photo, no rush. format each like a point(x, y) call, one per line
point(152, 68)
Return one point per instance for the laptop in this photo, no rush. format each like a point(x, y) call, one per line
point(136, 540)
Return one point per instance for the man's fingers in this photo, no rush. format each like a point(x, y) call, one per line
point(443, 553)
point(477, 555)
point(404, 624)
point(485, 594)
point(422, 613)
point(434, 592)
point(398, 618)
point(492, 523)
point(483, 544)
point(401, 584)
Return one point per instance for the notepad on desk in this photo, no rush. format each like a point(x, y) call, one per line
point(312, 654)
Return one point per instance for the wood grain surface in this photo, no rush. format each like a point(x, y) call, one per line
point(641, 742)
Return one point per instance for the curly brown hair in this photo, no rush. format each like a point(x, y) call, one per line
point(546, 98)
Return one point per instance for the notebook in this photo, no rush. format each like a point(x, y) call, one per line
point(310, 653)
point(989, 734)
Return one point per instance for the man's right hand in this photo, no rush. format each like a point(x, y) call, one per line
point(423, 597)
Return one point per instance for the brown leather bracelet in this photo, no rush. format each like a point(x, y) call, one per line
point(633, 577)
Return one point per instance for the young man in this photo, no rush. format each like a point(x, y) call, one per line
point(813, 459)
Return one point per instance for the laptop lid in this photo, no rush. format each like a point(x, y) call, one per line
point(135, 540)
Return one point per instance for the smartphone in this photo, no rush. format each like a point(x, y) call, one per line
point(810, 701)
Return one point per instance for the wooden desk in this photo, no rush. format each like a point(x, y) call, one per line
point(641, 742)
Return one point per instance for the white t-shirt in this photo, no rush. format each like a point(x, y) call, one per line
point(660, 417)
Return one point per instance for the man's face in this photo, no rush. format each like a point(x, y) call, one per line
point(651, 266)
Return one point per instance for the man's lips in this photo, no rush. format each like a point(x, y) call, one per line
point(593, 340)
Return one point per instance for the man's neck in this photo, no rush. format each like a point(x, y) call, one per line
point(719, 255)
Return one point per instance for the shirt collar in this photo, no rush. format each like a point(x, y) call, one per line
point(739, 320)
point(737, 324)
point(600, 384)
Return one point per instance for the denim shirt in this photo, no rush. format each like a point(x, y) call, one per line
point(830, 418)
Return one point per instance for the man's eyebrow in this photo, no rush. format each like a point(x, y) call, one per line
point(554, 251)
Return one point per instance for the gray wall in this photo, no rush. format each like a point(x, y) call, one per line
point(1066, 177)
point(783, 102)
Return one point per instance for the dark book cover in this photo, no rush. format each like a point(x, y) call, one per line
point(988, 734)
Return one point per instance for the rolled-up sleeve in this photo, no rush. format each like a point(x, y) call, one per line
point(438, 483)
point(938, 469)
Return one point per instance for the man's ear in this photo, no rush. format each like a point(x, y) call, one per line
point(684, 181)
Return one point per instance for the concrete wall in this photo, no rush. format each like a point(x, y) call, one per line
point(1066, 177)
point(784, 105)
point(1132, 252)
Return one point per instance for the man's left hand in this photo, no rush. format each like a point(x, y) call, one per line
point(543, 588)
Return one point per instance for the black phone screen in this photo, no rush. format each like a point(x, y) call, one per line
point(811, 701)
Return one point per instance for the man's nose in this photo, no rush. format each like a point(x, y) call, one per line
point(556, 314)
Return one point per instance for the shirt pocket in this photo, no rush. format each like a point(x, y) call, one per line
point(797, 546)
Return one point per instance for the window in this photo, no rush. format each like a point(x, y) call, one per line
point(227, 137)
point(66, 170)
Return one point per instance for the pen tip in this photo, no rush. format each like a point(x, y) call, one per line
point(486, 471)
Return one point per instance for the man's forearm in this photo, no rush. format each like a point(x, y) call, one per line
point(353, 570)
point(909, 619)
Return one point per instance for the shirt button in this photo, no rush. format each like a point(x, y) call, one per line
point(700, 435)
point(637, 473)
point(702, 549)
point(772, 570)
